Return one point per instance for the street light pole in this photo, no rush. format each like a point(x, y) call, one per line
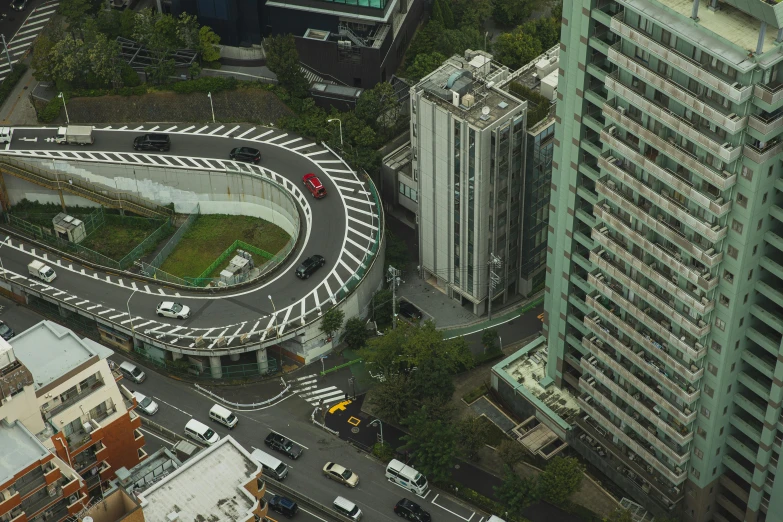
point(380, 425)
point(211, 106)
point(7, 54)
point(130, 318)
point(5, 275)
point(340, 123)
point(275, 315)
point(67, 119)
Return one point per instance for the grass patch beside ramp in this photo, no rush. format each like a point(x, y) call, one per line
point(118, 236)
point(212, 234)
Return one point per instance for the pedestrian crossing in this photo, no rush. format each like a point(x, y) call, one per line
point(307, 388)
point(26, 35)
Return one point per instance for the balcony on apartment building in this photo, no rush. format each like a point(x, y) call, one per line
point(679, 181)
point(668, 284)
point(653, 320)
point(625, 286)
point(722, 179)
point(643, 373)
point(642, 448)
point(768, 124)
point(640, 405)
point(696, 129)
point(696, 275)
point(663, 274)
point(632, 475)
point(771, 93)
point(710, 76)
point(761, 152)
point(639, 426)
point(711, 232)
point(687, 370)
point(710, 109)
point(43, 498)
point(88, 434)
point(72, 396)
point(88, 457)
point(691, 245)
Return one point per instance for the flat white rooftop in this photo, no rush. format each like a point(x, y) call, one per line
point(18, 449)
point(208, 487)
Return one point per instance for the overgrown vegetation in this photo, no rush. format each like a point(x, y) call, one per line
point(475, 393)
point(11, 80)
point(81, 50)
point(376, 119)
point(119, 235)
point(458, 25)
point(212, 234)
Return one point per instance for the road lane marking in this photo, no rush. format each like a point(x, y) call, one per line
point(158, 399)
point(172, 444)
point(289, 438)
point(248, 131)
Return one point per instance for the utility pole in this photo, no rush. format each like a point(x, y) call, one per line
point(7, 55)
point(493, 280)
point(394, 278)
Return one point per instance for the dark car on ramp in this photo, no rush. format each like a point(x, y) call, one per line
point(247, 154)
point(309, 266)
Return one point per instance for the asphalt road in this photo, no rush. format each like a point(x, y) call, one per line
point(327, 237)
point(178, 402)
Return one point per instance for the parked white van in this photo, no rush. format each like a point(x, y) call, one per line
point(406, 477)
point(201, 432)
point(271, 466)
point(347, 508)
point(220, 414)
point(132, 372)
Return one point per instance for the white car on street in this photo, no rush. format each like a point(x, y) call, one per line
point(145, 404)
point(172, 309)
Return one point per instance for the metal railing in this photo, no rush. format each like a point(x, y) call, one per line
point(240, 405)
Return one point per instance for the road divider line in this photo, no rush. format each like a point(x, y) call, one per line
point(172, 406)
point(146, 432)
point(289, 438)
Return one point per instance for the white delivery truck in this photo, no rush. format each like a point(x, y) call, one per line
point(75, 135)
point(41, 271)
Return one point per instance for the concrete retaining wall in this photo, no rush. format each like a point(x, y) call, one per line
point(217, 192)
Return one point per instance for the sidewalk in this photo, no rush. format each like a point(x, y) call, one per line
point(18, 109)
point(465, 473)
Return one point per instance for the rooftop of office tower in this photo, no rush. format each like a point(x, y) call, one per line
point(465, 85)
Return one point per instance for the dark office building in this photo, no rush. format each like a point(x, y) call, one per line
point(357, 43)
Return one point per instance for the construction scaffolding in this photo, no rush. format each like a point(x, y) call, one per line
point(139, 58)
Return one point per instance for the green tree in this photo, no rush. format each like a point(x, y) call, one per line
point(546, 30)
point(472, 13)
point(414, 346)
point(561, 478)
point(282, 58)
point(44, 55)
point(516, 493)
point(208, 44)
point(380, 109)
point(489, 340)
point(332, 321)
point(516, 48)
point(433, 444)
point(382, 305)
point(187, 31)
point(471, 435)
point(456, 41)
point(69, 59)
point(393, 398)
point(437, 13)
point(397, 254)
point(513, 12)
point(448, 15)
point(75, 11)
point(356, 333)
point(104, 59)
point(423, 64)
point(511, 452)
point(431, 381)
point(622, 515)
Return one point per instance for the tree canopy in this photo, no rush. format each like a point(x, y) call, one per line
point(282, 58)
point(516, 493)
point(561, 478)
point(433, 443)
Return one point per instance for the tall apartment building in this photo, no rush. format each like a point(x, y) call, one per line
point(468, 145)
point(35, 485)
point(71, 400)
point(664, 309)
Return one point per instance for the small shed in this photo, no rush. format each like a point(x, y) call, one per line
point(69, 228)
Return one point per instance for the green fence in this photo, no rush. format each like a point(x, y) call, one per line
point(172, 243)
point(48, 236)
point(230, 251)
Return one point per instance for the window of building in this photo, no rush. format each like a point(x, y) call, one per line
point(701, 432)
point(705, 412)
point(741, 200)
point(717, 452)
point(742, 320)
point(716, 347)
point(708, 390)
point(712, 368)
point(733, 252)
point(720, 323)
point(736, 345)
point(736, 226)
point(769, 172)
point(747, 173)
point(723, 300)
point(409, 192)
point(750, 274)
point(728, 276)
point(745, 300)
point(733, 365)
point(699, 453)
point(764, 198)
point(755, 248)
point(761, 223)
